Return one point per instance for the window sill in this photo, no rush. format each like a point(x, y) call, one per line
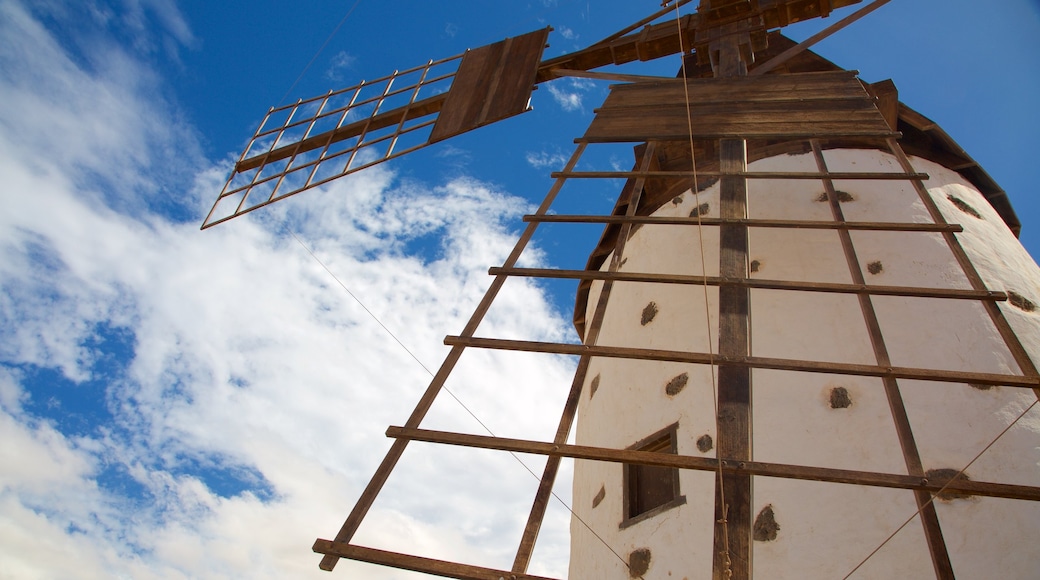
point(678, 501)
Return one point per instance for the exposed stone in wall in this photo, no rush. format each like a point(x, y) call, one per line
point(765, 528)
point(843, 196)
point(1019, 301)
point(964, 206)
point(677, 384)
point(755, 266)
point(875, 267)
point(943, 474)
point(639, 562)
point(705, 443)
point(840, 398)
point(700, 210)
point(648, 314)
point(599, 497)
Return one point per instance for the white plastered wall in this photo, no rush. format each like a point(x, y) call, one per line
point(825, 529)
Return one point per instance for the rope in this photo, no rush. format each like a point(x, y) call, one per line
point(942, 489)
point(724, 521)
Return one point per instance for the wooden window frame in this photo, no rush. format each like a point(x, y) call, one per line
point(668, 437)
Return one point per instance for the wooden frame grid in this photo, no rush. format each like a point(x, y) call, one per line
point(735, 361)
point(743, 468)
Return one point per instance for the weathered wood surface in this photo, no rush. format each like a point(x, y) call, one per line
point(493, 82)
point(415, 563)
point(808, 104)
point(750, 222)
point(758, 468)
point(939, 375)
point(756, 283)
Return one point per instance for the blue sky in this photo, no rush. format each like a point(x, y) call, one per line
point(166, 393)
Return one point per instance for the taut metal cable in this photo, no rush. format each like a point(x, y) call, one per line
point(941, 490)
point(445, 387)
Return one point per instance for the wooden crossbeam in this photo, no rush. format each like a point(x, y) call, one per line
point(750, 222)
point(415, 563)
point(747, 174)
point(757, 362)
point(753, 283)
point(758, 468)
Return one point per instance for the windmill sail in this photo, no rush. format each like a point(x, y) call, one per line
point(314, 141)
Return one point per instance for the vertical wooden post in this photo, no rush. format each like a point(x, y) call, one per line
point(732, 551)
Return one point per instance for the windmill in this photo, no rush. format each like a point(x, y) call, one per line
point(799, 290)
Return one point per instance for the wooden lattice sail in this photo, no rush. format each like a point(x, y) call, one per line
point(808, 330)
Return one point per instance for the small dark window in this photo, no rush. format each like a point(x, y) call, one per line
point(650, 489)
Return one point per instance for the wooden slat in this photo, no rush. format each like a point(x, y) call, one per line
point(671, 126)
point(814, 175)
point(415, 563)
point(758, 468)
point(750, 222)
point(750, 361)
point(752, 110)
point(493, 82)
point(755, 283)
point(734, 420)
point(815, 86)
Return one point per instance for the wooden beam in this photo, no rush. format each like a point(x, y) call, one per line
point(809, 42)
point(757, 362)
point(750, 222)
point(757, 468)
point(753, 283)
point(415, 563)
point(746, 174)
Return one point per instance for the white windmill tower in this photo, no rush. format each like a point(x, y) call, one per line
point(808, 330)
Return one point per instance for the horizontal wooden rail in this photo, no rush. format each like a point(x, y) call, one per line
point(376, 122)
point(760, 468)
point(745, 174)
point(750, 222)
point(416, 563)
point(750, 361)
point(753, 283)
point(868, 135)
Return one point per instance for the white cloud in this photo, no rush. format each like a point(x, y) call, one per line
point(248, 359)
point(569, 92)
point(545, 159)
point(567, 33)
point(342, 61)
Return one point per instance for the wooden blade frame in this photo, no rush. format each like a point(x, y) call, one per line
point(868, 133)
point(312, 142)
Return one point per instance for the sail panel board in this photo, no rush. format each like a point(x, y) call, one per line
point(772, 106)
point(493, 82)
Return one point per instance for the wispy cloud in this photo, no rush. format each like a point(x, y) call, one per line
point(341, 62)
point(231, 385)
point(546, 159)
point(567, 33)
point(569, 92)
